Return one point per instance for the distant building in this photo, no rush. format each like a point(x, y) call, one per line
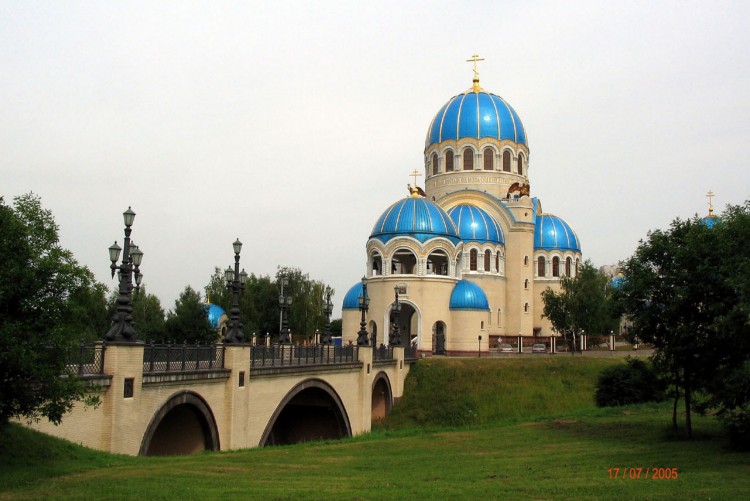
point(471, 253)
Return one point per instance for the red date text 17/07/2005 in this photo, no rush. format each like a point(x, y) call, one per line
point(652, 473)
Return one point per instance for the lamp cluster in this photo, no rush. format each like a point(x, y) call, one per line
point(236, 282)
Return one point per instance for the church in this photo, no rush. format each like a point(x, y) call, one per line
point(469, 255)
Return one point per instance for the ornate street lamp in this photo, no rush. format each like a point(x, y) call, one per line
point(285, 302)
point(236, 282)
point(327, 310)
point(364, 305)
point(395, 331)
point(123, 328)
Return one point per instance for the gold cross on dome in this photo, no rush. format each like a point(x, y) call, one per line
point(415, 174)
point(474, 59)
point(710, 195)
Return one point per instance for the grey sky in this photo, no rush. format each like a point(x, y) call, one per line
point(293, 125)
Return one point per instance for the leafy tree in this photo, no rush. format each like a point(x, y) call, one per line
point(148, 316)
point(217, 291)
point(45, 298)
point(633, 383)
point(189, 320)
point(685, 294)
point(583, 304)
point(336, 327)
point(307, 306)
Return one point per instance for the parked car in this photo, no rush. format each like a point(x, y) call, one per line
point(505, 348)
point(539, 348)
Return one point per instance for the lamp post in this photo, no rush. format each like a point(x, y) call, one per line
point(236, 282)
point(285, 302)
point(123, 328)
point(327, 310)
point(479, 353)
point(395, 331)
point(364, 305)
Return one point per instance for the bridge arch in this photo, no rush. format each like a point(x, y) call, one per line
point(183, 425)
point(382, 396)
point(312, 410)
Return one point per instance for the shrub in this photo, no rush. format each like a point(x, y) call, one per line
point(633, 383)
point(736, 422)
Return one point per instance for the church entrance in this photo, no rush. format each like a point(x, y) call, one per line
point(407, 323)
point(439, 338)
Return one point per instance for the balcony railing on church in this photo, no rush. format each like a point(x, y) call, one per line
point(182, 357)
point(87, 359)
point(291, 355)
point(382, 353)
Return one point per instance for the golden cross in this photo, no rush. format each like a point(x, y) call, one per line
point(475, 58)
point(710, 196)
point(415, 174)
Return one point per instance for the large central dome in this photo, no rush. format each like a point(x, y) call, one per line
point(476, 114)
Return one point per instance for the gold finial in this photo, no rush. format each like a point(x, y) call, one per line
point(710, 195)
point(474, 59)
point(415, 189)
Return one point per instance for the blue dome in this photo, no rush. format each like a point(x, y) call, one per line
point(552, 233)
point(415, 217)
point(474, 224)
point(215, 312)
point(468, 296)
point(476, 115)
point(618, 282)
point(351, 299)
point(710, 220)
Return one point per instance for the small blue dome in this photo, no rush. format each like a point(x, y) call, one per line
point(551, 233)
point(215, 312)
point(476, 115)
point(618, 282)
point(468, 296)
point(416, 217)
point(351, 299)
point(710, 220)
point(474, 224)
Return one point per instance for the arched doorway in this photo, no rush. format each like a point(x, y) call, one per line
point(439, 333)
point(382, 398)
point(373, 328)
point(183, 425)
point(312, 410)
point(407, 323)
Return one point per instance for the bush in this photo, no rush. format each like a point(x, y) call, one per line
point(736, 422)
point(633, 383)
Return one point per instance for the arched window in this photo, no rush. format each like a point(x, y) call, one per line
point(487, 256)
point(489, 159)
point(448, 161)
point(541, 267)
point(526, 307)
point(481, 325)
point(473, 260)
point(577, 262)
point(468, 159)
point(526, 284)
point(497, 262)
point(555, 266)
point(434, 164)
point(506, 161)
point(567, 266)
point(498, 316)
point(526, 260)
point(520, 164)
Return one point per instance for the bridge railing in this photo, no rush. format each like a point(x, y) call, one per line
point(410, 352)
point(288, 355)
point(382, 353)
point(182, 357)
point(88, 359)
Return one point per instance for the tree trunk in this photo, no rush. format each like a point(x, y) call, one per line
point(573, 343)
point(674, 406)
point(688, 421)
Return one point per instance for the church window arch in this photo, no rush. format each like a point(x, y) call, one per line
point(526, 284)
point(520, 164)
point(499, 313)
point(489, 158)
point(437, 263)
point(481, 325)
point(506, 161)
point(567, 266)
point(473, 256)
point(404, 262)
point(468, 159)
point(487, 257)
point(434, 163)
point(526, 260)
point(376, 266)
point(526, 307)
point(497, 262)
point(555, 266)
point(449, 161)
point(541, 267)
point(577, 263)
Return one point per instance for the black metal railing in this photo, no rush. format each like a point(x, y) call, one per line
point(410, 352)
point(288, 355)
point(382, 353)
point(88, 359)
point(182, 357)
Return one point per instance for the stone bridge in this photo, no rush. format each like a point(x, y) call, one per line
point(158, 400)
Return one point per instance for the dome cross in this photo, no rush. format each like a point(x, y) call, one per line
point(475, 58)
point(710, 195)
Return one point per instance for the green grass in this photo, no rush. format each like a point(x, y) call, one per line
point(562, 457)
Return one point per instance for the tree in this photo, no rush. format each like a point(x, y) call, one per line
point(306, 314)
point(684, 293)
point(336, 327)
point(583, 304)
point(45, 297)
point(148, 316)
point(188, 323)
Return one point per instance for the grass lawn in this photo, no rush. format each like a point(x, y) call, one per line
point(563, 455)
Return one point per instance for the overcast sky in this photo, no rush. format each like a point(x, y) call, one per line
point(293, 125)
